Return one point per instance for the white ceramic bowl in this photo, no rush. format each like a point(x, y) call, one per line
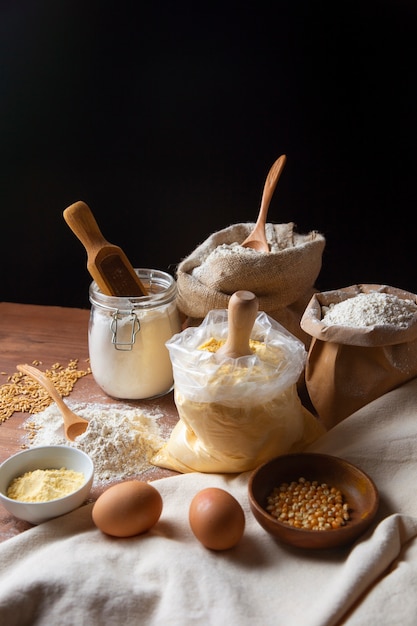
point(45, 457)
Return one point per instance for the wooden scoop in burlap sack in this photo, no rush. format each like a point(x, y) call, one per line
point(283, 279)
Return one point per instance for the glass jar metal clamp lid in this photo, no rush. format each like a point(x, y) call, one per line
point(127, 335)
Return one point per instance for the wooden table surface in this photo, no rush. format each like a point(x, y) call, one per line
point(52, 335)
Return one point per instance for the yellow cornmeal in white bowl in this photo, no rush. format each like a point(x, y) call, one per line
point(45, 485)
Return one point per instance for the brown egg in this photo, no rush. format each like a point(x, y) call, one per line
point(127, 509)
point(216, 518)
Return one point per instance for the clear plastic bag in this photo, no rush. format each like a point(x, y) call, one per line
point(235, 413)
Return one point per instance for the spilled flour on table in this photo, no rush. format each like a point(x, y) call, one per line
point(119, 441)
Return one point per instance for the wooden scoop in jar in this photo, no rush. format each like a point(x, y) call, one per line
point(74, 425)
point(241, 314)
point(257, 239)
point(107, 263)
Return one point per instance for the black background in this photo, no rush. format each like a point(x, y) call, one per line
point(166, 116)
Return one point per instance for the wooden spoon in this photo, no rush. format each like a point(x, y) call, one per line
point(74, 425)
point(257, 239)
point(241, 313)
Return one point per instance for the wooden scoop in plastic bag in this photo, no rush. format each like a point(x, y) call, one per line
point(242, 312)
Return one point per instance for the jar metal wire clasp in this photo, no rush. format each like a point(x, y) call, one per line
point(135, 328)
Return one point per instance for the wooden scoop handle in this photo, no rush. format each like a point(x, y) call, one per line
point(242, 312)
point(83, 224)
point(106, 262)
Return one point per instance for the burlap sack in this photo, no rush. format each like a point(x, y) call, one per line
point(283, 279)
point(349, 367)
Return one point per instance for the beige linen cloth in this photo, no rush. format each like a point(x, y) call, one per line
point(65, 572)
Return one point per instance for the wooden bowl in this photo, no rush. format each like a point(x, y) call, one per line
point(357, 488)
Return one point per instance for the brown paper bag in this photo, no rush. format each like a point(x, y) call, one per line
point(348, 367)
point(283, 279)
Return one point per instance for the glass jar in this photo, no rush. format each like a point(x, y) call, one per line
point(127, 335)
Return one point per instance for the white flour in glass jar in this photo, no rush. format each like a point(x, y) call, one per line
point(144, 370)
point(128, 356)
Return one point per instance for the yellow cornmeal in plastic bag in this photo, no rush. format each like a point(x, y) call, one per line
point(45, 485)
point(267, 355)
point(213, 344)
point(238, 414)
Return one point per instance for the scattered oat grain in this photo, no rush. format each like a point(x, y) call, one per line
point(21, 394)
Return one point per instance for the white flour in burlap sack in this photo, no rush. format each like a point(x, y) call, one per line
point(226, 250)
point(120, 441)
point(370, 309)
